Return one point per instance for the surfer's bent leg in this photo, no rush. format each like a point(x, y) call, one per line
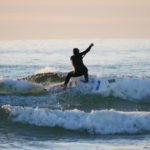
point(85, 73)
point(86, 77)
point(70, 74)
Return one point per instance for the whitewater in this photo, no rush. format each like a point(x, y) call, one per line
point(111, 112)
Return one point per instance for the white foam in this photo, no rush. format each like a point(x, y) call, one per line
point(99, 122)
point(132, 88)
point(19, 87)
point(125, 88)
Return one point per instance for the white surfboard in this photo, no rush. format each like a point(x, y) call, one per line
point(95, 84)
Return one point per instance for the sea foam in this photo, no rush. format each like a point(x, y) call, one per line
point(97, 122)
point(125, 88)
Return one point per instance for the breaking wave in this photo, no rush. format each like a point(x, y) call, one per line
point(134, 89)
point(97, 122)
point(46, 77)
point(20, 87)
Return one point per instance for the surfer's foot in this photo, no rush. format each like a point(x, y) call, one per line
point(86, 80)
point(64, 86)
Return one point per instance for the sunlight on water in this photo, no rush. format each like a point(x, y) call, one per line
point(117, 57)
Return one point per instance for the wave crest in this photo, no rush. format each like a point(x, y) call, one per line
point(20, 87)
point(98, 122)
point(46, 77)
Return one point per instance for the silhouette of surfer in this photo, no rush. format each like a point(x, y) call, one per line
point(78, 65)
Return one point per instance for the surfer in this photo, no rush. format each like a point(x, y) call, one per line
point(77, 63)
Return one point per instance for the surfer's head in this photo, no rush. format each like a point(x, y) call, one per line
point(75, 51)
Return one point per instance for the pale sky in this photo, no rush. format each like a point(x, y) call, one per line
point(51, 19)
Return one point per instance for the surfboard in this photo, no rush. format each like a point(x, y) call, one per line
point(95, 84)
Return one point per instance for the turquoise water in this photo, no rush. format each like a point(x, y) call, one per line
point(112, 118)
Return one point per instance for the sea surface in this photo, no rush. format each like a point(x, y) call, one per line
point(116, 118)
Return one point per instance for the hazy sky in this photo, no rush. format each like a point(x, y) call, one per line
point(46, 19)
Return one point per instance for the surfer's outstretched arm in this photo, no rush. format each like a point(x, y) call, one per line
point(87, 50)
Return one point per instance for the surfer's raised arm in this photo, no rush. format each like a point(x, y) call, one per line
point(87, 50)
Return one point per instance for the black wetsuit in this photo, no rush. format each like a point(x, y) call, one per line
point(79, 68)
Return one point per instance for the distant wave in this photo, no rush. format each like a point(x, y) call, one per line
point(97, 122)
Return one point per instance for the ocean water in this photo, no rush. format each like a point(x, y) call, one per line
point(114, 117)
